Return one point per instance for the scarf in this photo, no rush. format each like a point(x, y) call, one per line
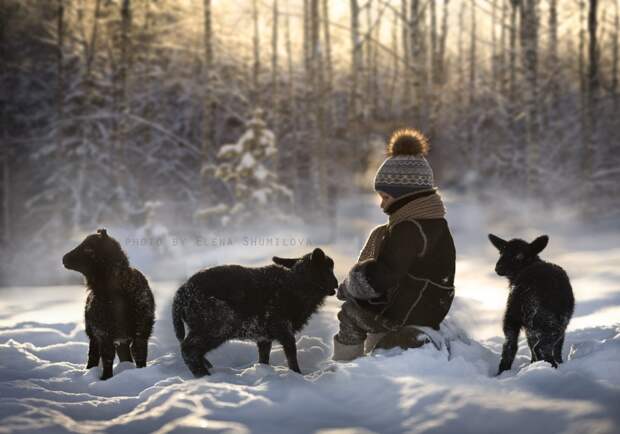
point(427, 207)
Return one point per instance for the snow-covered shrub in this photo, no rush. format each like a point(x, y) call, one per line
point(247, 170)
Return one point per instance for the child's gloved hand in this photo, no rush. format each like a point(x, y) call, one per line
point(341, 294)
point(356, 286)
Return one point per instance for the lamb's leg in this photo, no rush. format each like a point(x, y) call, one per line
point(139, 350)
point(106, 347)
point(545, 349)
point(290, 351)
point(533, 341)
point(542, 344)
point(557, 350)
point(509, 350)
point(193, 349)
point(264, 350)
point(93, 353)
point(124, 354)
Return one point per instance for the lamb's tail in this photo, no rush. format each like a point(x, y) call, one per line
point(177, 314)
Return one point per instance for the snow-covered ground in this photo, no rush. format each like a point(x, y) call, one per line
point(45, 388)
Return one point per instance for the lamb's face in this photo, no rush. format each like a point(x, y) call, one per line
point(318, 266)
point(93, 253)
point(516, 254)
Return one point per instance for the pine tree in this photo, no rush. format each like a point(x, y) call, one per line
point(246, 168)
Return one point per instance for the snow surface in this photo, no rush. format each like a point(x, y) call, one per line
point(45, 388)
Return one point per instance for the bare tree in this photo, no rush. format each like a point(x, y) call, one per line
point(417, 35)
point(438, 49)
point(208, 130)
point(122, 103)
point(494, 49)
point(513, 56)
point(356, 57)
point(461, 55)
point(552, 55)
point(60, 91)
point(614, 61)
point(329, 66)
point(256, 62)
point(593, 93)
point(289, 54)
point(503, 49)
point(318, 86)
point(472, 77)
point(275, 103)
point(582, 67)
point(408, 83)
point(529, 56)
point(395, 63)
point(367, 95)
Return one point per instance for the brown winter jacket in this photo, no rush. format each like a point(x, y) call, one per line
point(413, 269)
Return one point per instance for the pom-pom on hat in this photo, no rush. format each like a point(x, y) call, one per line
point(405, 170)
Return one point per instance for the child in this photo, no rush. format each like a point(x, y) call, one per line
point(405, 273)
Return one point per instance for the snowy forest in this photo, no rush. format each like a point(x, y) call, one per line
point(125, 112)
point(199, 133)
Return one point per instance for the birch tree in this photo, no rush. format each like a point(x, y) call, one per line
point(529, 42)
point(356, 57)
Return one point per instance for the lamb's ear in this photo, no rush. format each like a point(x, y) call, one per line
point(285, 262)
point(539, 244)
point(497, 241)
point(318, 256)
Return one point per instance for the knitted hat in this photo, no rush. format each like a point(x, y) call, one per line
point(405, 170)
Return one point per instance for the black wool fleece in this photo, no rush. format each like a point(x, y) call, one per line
point(414, 271)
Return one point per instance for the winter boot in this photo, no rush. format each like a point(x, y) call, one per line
point(405, 338)
point(346, 353)
point(371, 341)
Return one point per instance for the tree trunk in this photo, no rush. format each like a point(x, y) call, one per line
point(356, 58)
point(306, 34)
point(367, 96)
point(441, 58)
point(332, 186)
point(5, 214)
point(593, 95)
point(395, 65)
point(60, 91)
point(406, 102)
point(317, 99)
point(289, 56)
point(433, 50)
point(554, 65)
point(472, 83)
point(438, 44)
point(614, 61)
point(208, 129)
point(122, 105)
point(582, 69)
point(419, 59)
point(376, 97)
point(513, 60)
point(503, 49)
point(494, 50)
point(275, 103)
point(60, 106)
point(329, 67)
point(256, 51)
point(461, 58)
point(529, 42)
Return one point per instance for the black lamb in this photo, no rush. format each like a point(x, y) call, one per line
point(260, 304)
point(540, 300)
point(120, 309)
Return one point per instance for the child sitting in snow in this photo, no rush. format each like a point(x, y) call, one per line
point(404, 276)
